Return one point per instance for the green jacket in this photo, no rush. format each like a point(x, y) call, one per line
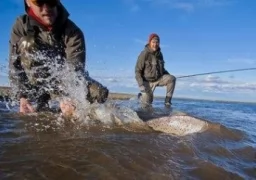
point(149, 66)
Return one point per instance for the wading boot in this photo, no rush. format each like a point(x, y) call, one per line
point(167, 102)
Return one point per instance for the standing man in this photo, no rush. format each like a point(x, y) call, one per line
point(150, 72)
point(46, 28)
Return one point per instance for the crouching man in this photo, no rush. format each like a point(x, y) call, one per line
point(46, 28)
point(150, 72)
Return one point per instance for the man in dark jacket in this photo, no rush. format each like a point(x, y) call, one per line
point(46, 28)
point(150, 72)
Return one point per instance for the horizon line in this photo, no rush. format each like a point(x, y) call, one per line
point(177, 97)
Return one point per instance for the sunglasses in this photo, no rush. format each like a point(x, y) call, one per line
point(40, 3)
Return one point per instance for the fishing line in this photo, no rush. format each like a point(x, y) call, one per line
point(216, 72)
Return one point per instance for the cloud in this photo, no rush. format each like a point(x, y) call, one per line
point(135, 8)
point(188, 5)
point(226, 88)
point(209, 84)
point(173, 4)
point(4, 81)
point(18, 2)
point(214, 79)
point(118, 83)
point(132, 4)
point(118, 78)
point(247, 61)
point(216, 84)
point(140, 41)
point(3, 70)
point(212, 3)
point(184, 6)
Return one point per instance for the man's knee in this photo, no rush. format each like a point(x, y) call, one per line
point(168, 78)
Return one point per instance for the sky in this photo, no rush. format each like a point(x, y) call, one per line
point(197, 36)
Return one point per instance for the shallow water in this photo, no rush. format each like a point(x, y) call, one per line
point(43, 148)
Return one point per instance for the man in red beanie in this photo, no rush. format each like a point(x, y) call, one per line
point(150, 72)
point(46, 28)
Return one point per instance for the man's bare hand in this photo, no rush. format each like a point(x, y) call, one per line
point(67, 108)
point(25, 106)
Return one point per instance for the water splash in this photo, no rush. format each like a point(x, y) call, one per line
point(3, 69)
point(74, 87)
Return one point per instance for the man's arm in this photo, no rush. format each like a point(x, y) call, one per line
point(139, 68)
point(75, 47)
point(15, 70)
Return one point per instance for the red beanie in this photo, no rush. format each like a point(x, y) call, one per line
point(153, 35)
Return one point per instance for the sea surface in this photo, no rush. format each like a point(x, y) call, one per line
point(38, 147)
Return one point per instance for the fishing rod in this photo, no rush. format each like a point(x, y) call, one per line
point(216, 72)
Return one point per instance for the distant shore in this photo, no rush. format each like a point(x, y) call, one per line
point(5, 91)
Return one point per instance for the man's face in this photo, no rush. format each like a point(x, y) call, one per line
point(46, 10)
point(154, 44)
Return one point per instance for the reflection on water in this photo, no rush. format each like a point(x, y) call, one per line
point(44, 147)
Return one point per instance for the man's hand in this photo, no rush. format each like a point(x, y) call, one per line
point(25, 106)
point(142, 89)
point(67, 108)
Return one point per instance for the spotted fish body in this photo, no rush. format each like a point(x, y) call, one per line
point(178, 124)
